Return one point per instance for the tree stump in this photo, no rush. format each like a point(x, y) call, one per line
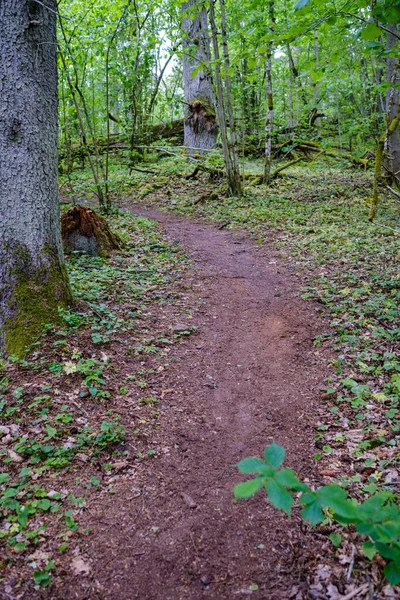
point(84, 230)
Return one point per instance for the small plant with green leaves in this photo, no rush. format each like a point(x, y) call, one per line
point(377, 518)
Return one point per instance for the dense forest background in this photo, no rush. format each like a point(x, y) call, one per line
point(313, 78)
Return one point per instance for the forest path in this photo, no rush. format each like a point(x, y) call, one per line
point(247, 377)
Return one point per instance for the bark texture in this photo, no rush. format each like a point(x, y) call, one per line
point(270, 99)
point(392, 106)
point(33, 281)
point(200, 122)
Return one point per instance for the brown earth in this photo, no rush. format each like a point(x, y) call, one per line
point(248, 376)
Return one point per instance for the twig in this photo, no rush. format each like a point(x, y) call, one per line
point(351, 565)
point(393, 191)
point(386, 227)
point(360, 590)
point(224, 225)
point(143, 170)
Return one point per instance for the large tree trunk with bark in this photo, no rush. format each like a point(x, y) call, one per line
point(200, 119)
point(392, 161)
point(33, 280)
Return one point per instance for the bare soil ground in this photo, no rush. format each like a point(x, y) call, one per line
point(250, 375)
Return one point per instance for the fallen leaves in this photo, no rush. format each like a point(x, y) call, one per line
point(79, 566)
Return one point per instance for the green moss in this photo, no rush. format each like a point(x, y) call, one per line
point(204, 104)
point(36, 297)
point(154, 185)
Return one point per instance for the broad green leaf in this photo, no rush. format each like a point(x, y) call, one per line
point(44, 504)
point(274, 455)
point(279, 496)
point(3, 477)
point(255, 465)
point(371, 32)
point(41, 578)
point(336, 539)
point(51, 431)
point(388, 552)
point(392, 573)
point(287, 477)
point(313, 513)
point(24, 472)
point(369, 549)
point(246, 489)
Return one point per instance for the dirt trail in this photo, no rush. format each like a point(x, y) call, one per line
point(249, 376)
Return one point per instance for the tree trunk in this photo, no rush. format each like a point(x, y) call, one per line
point(392, 161)
point(33, 280)
point(200, 119)
point(316, 87)
point(270, 99)
point(228, 146)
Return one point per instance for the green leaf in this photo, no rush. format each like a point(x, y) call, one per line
point(371, 32)
point(41, 578)
point(388, 552)
point(313, 513)
point(254, 465)
point(279, 496)
point(369, 549)
point(23, 515)
point(287, 477)
point(3, 477)
point(24, 472)
point(44, 504)
point(246, 489)
point(336, 539)
point(274, 455)
point(51, 431)
point(392, 573)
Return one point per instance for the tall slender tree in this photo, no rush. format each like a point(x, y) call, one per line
point(33, 280)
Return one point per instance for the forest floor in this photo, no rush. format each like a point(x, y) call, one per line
point(235, 324)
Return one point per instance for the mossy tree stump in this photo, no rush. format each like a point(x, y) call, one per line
point(84, 230)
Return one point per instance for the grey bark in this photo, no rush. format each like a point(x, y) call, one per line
point(392, 149)
point(270, 99)
point(200, 123)
point(32, 274)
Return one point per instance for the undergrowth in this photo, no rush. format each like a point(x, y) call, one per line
point(64, 426)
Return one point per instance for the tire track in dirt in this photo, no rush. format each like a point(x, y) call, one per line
point(249, 376)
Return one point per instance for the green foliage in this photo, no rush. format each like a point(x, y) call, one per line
point(378, 517)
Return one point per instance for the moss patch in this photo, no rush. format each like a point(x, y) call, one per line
point(36, 297)
point(154, 185)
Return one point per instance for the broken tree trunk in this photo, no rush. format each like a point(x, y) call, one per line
point(84, 230)
point(200, 122)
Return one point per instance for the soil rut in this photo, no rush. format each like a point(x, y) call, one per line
point(249, 376)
